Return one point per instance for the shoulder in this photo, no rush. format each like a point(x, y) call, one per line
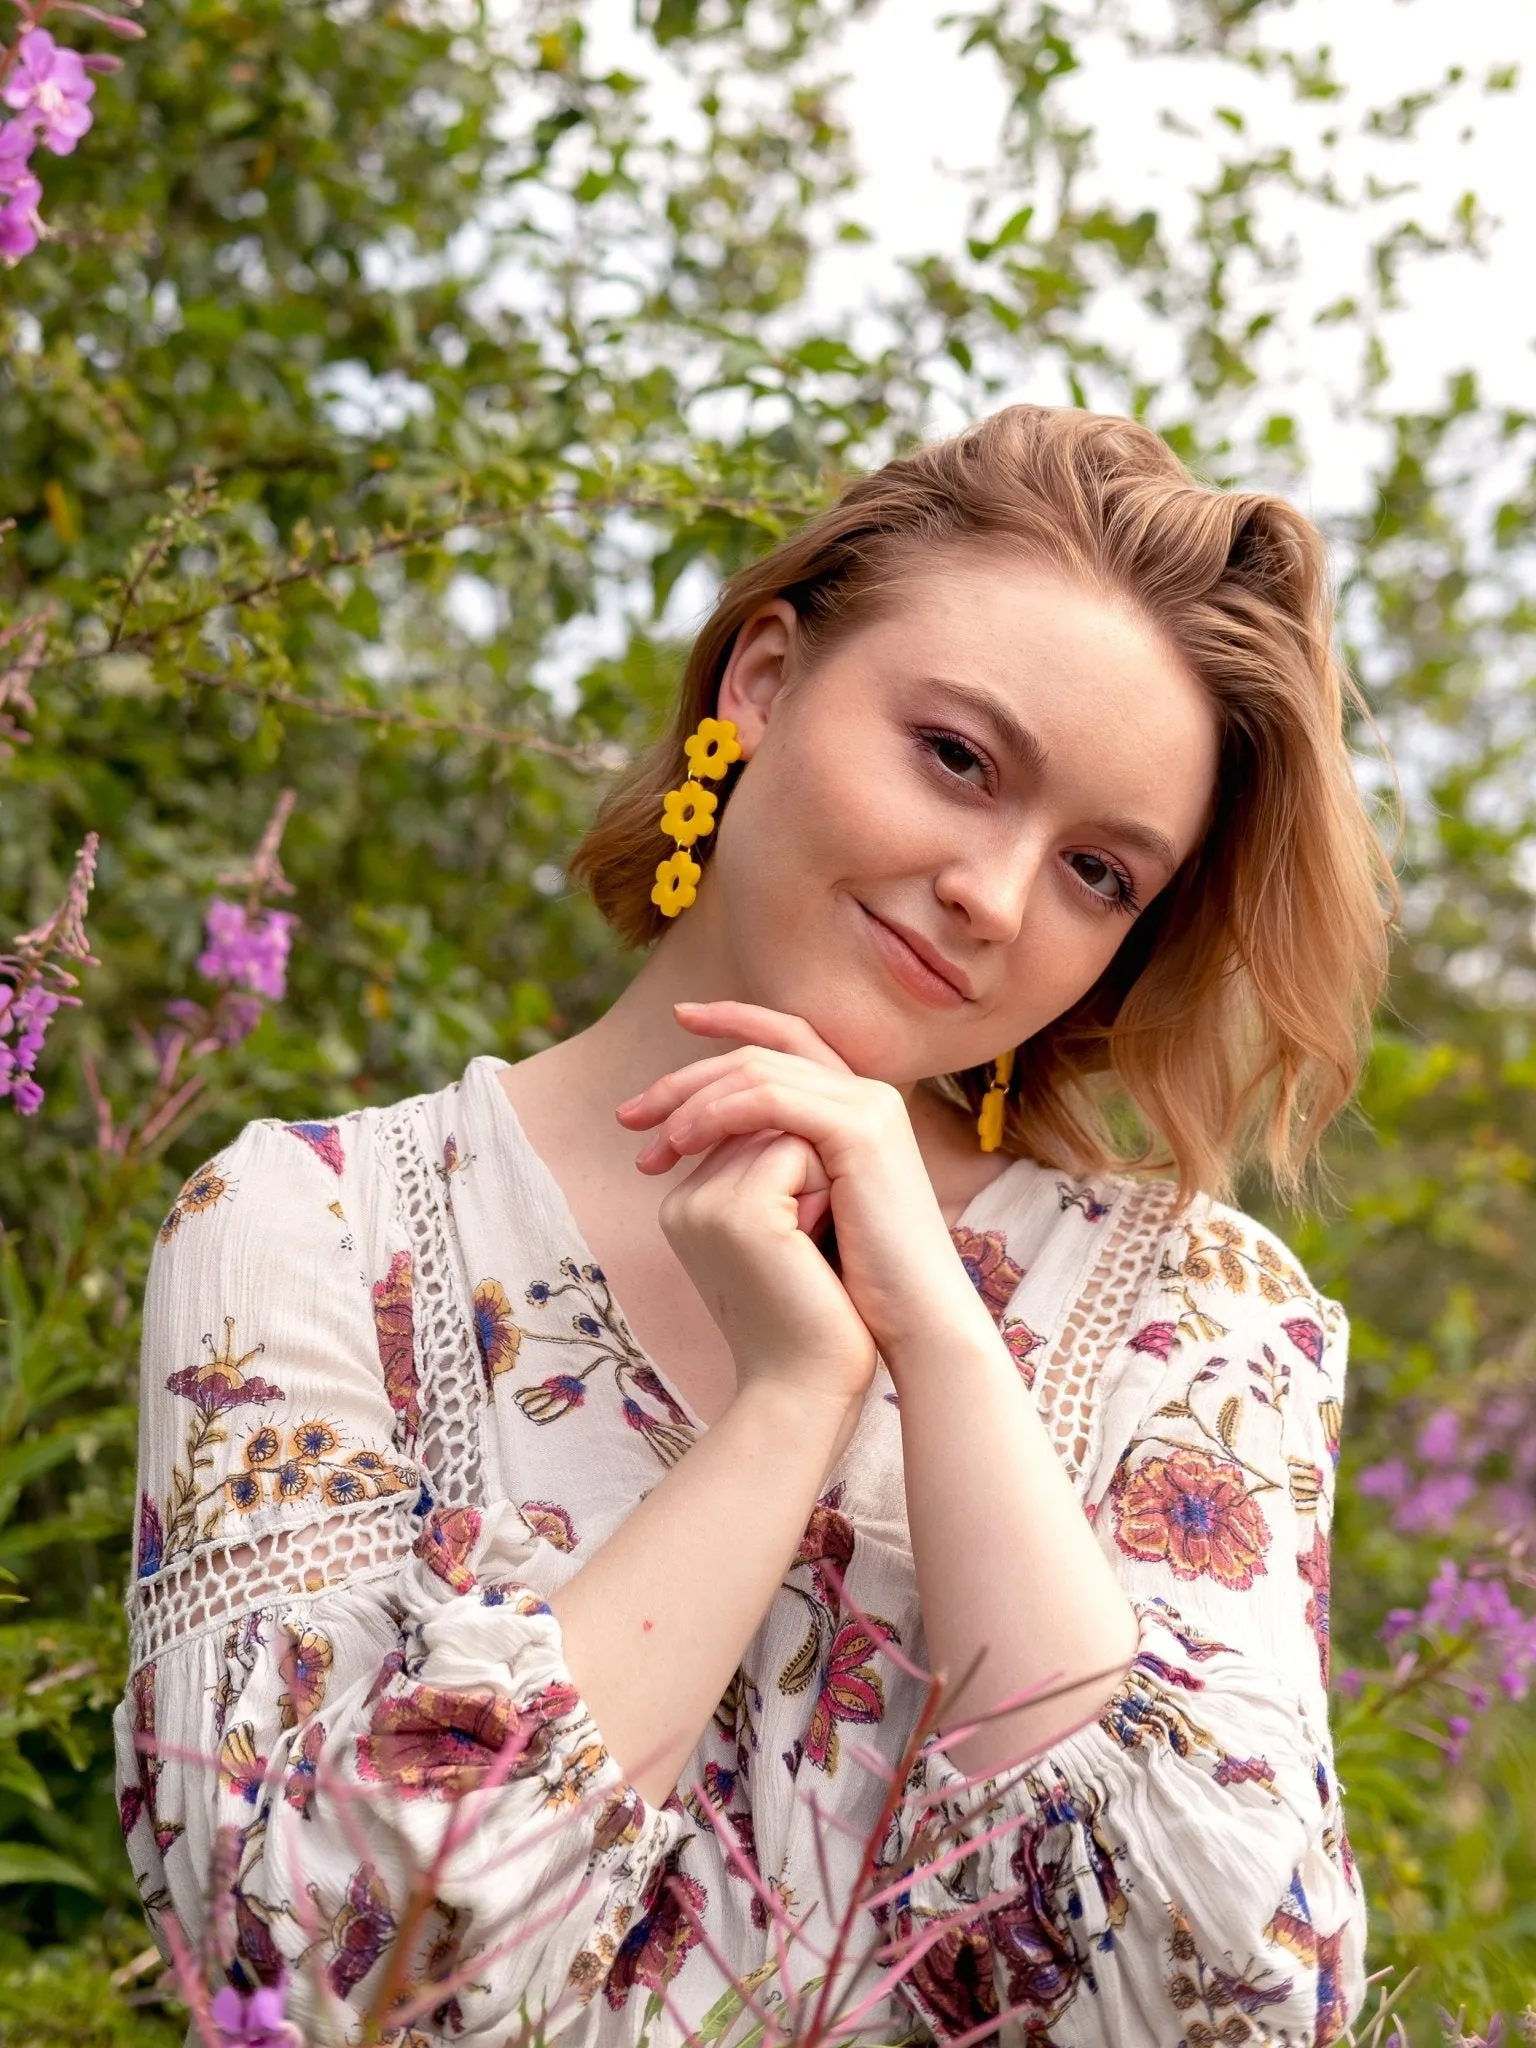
point(283, 1191)
point(1218, 1270)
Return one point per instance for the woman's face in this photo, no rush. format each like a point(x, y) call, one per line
point(950, 822)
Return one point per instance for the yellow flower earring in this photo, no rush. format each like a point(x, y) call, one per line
point(989, 1125)
point(688, 813)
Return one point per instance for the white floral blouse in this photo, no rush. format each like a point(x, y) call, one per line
point(390, 1404)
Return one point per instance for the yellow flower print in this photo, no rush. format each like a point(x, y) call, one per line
point(677, 884)
point(688, 813)
point(713, 748)
point(262, 1447)
point(313, 1440)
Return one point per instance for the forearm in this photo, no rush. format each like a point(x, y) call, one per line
point(1008, 1568)
point(655, 1625)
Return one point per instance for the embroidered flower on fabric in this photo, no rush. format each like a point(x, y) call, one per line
point(552, 1398)
point(395, 1334)
point(497, 1337)
point(151, 1539)
point(324, 1140)
point(221, 1381)
point(360, 1931)
point(1192, 1512)
point(548, 1519)
point(447, 1538)
point(984, 1255)
point(1023, 1343)
point(204, 1190)
point(654, 1948)
point(437, 1741)
point(306, 1667)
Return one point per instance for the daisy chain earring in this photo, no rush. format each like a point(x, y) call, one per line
point(688, 813)
point(989, 1125)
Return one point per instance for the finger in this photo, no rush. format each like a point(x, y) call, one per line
point(762, 1106)
point(762, 1166)
point(756, 1025)
point(756, 1071)
point(746, 1066)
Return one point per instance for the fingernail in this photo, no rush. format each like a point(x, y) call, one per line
point(628, 1104)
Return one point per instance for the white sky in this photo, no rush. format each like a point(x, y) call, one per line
point(925, 122)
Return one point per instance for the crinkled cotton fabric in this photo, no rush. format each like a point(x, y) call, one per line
point(390, 1405)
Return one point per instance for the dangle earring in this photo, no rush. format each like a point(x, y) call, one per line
point(688, 813)
point(989, 1125)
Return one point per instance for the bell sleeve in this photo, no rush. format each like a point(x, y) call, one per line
point(1178, 1869)
point(350, 1755)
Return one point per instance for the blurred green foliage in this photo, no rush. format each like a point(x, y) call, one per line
point(387, 361)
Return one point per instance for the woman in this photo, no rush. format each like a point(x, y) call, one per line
point(605, 1628)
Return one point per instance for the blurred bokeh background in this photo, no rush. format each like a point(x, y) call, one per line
point(386, 398)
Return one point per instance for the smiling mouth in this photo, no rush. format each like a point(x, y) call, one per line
point(911, 969)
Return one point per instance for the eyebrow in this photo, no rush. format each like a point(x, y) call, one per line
point(1033, 752)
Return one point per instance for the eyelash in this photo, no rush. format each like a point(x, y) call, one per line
point(1126, 902)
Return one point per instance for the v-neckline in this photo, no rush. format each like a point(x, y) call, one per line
point(491, 1067)
point(572, 1229)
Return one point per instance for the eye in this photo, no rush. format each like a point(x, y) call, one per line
point(1105, 880)
point(958, 758)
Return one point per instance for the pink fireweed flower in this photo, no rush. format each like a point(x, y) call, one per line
point(51, 88)
point(17, 142)
point(20, 192)
point(254, 2022)
point(247, 949)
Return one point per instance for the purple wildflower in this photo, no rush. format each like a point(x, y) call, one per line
point(19, 196)
point(253, 2022)
point(248, 949)
point(51, 88)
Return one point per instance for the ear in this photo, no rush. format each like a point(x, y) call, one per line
point(758, 669)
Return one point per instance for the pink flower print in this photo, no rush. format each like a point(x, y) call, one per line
point(1314, 1569)
point(827, 1547)
point(304, 1769)
point(552, 1398)
point(394, 1332)
point(447, 1538)
point(1156, 1339)
point(241, 1766)
point(665, 1438)
point(654, 1948)
point(151, 1539)
point(221, 1381)
point(1194, 1514)
point(497, 1337)
point(1307, 1336)
point(359, 1931)
point(1023, 1343)
point(984, 1255)
point(324, 1140)
point(850, 1691)
point(545, 1518)
point(305, 1666)
point(51, 88)
point(436, 1741)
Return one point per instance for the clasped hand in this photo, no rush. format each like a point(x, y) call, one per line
point(788, 1132)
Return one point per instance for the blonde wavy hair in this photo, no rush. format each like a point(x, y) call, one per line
point(1234, 1017)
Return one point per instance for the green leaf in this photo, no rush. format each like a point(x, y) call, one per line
point(25, 1863)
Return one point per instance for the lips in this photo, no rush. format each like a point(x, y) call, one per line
point(918, 964)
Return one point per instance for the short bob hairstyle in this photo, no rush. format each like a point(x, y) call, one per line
point(1233, 1018)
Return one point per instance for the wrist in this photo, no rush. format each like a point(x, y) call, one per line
point(799, 1427)
point(960, 1341)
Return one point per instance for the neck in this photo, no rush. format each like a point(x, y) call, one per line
point(638, 1038)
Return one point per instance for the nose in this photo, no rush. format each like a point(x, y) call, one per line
point(989, 886)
